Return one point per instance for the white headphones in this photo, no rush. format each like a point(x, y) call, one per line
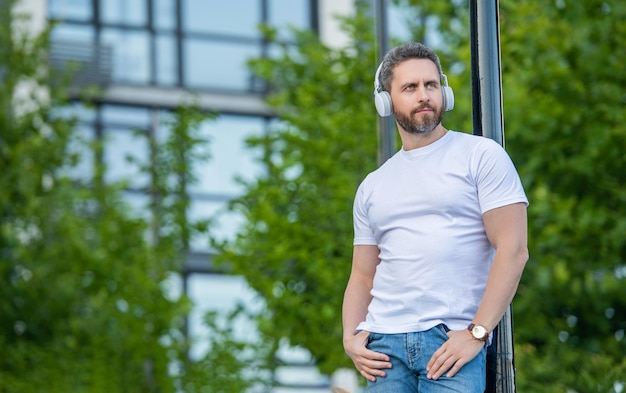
point(382, 99)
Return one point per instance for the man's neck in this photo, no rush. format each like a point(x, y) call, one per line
point(412, 141)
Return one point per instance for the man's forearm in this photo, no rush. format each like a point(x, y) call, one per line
point(355, 303)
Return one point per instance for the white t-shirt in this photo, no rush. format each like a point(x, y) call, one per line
point(423, 209)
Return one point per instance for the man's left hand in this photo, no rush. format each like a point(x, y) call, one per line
point(459, 350)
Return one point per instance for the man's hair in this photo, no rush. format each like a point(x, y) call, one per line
point(399, 54)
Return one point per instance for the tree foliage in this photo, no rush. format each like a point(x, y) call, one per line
point(296, 247)
point(231, 364)
point(564, 126)
point(565, 129)
point(82, 303)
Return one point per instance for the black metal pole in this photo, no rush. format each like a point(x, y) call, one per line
point(488, 121)
point(486, 75)
point(386, 132)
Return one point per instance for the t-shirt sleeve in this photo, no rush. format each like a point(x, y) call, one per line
point(363, 234)
point(497, 179)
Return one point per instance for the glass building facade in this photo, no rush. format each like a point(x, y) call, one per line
point(194, 44)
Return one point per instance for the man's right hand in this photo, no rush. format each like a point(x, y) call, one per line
point(369, 363)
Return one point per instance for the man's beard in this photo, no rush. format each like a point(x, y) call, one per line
point(419, 127)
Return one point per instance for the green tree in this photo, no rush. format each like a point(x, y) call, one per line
point(82, 303)
point(296, 247)
point(565, 126)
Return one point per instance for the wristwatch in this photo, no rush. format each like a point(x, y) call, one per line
point(478, 332)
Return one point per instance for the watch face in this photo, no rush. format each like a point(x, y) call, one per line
point(479, 332)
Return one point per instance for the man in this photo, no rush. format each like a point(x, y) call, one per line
point(439, 243)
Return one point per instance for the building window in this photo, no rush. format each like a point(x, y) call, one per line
point(218, 65)
point(77, 10)
point(234, 18)
point(131, 54)
point(124, 12)
point(284, 15)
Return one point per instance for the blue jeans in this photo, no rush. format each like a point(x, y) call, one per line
point(409, 354)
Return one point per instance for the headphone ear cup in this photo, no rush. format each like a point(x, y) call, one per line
point(448, 98)
point(382, 100)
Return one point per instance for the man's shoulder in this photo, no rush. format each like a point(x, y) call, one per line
point(466, 137)
point(385, 172)
point(473, 143)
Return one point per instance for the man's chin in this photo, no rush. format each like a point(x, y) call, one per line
point(424, 117)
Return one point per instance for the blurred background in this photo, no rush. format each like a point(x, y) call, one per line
point(177, 183)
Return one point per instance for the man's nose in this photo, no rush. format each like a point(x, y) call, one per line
point(422, 94)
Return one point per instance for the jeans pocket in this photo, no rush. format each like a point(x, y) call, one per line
point(443, 328)
point(372, 337)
